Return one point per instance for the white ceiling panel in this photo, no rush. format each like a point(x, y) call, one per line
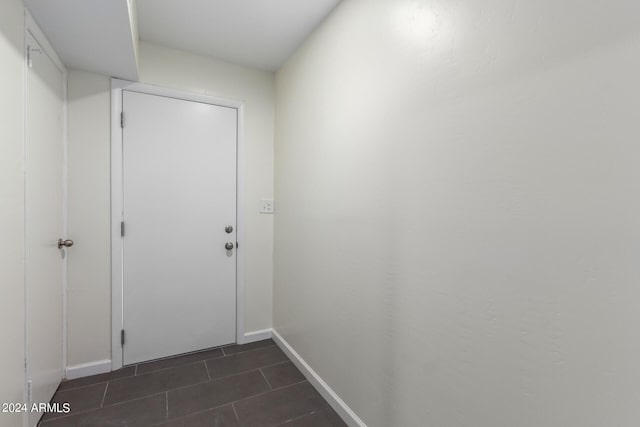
point(256, 33)
point(92, 35)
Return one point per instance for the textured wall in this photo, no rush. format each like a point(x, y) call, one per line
point(89, 218)
point(457, 225)
point(12, 212)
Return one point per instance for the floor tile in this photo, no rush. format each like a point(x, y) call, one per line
point(219, 417)
point(211, 394)
point(155, 382)
point(322, 418)
point(254, 385)
point(136, 413)
point(239, 348)
point(79, 399)
point(278, 406)
point(246, 361)
point(282, 374)
point(94, 379)
point(171, 362)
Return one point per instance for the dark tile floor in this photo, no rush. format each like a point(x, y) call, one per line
point(238, 385)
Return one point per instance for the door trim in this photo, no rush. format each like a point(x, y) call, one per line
point(117, 86)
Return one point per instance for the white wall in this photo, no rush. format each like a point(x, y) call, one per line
point(458, 222)
point(89, 219)
point(11, 207)
point(89, 187)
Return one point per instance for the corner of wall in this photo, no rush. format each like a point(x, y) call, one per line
point(135, 36)
point(12, 303)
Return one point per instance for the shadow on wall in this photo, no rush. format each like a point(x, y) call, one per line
point(9, 27)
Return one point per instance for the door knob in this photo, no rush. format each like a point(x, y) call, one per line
point(66, 243)
point(228, 229)
point(228, 246)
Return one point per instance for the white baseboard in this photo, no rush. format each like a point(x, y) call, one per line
point(88, 369)
point(254, 336)
point(347, 415)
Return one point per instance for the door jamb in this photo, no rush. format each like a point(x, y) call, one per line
point(117, 86)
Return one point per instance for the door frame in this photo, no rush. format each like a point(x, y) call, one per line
point(33, 29)
point(117, 306)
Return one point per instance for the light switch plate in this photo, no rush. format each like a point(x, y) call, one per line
point(266, 206)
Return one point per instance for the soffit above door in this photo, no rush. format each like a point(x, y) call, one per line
point(102, 36)
point(92, 35)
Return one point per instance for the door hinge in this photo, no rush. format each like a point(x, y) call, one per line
point(122, 119)
point(30, 50)
point(29, 392)
point(122, 229)
point(122, 337)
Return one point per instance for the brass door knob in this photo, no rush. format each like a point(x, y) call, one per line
point(66, 243)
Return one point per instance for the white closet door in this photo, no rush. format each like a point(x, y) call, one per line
point(43, 222)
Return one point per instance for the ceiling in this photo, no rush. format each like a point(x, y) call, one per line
point(256, 33)
point(91, 35)
point(102, 35)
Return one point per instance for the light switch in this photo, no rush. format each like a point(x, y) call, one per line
point(266, 206)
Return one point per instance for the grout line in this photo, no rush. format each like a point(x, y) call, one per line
point(70, 414)
point(87, 411)
point(235, 412)
point(267, 392)
point(213, 379)
point(207, 368)
point(265, 378)
point(276, 363)
point(75, 387)
point(136, 398)
point(248, 397)
point(82, 386)
point(250, 370)
point(181, 365)
point(299, 417)
point(157, 393)
point(232, 403)
point(104, 395)
point(245, 351)
point(224, 354)
point(214, 408)
point(292, 384)
point(181, 355)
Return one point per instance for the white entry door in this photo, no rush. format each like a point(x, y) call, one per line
point(44, 223)
point(179, 209)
